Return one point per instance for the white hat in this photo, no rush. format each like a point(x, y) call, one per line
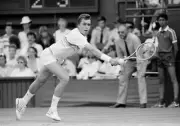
point(25, 20)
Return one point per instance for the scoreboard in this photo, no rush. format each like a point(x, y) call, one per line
point(47, 6)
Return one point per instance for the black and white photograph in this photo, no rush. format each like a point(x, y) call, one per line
point(89, 63)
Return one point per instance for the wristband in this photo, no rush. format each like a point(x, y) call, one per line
point(105, 57)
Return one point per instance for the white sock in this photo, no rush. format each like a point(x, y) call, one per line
point(54, 102)
point(27, 97)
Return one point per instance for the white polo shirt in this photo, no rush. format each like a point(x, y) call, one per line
point(69, 44)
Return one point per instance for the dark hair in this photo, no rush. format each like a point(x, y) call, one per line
point(162, 15)
point(131, 23)
point(83, 16)
point(43, 29)
point(31, 34)
point(9, 24)
point(15, 41)
point(101, 18)
point(35, 50)
point(119, 20)
point(155, 26)
point(24, 59)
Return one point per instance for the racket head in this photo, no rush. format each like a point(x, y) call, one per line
point(146, 51)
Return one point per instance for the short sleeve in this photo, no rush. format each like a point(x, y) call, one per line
point(76, 38)
point(173, 36)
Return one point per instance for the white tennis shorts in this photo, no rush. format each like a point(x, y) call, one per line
point(47, 57)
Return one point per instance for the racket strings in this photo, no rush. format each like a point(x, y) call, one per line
point(146, 51)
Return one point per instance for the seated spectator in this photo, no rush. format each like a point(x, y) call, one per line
point(15, 41)
point(70, 68)
point(5, 71)
point(11, 58)
point(107, 69)
point(100, 34)
point(22, 70)
point(6, 36)
point(32, 42)
point(33, 62)
point(62, 24)
point(90, 67)
point(137, 32)
point(45, 38)
point(113, 36)
point(130, 26)
point(111, 51)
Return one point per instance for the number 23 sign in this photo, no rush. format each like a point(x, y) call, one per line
point(57, 3)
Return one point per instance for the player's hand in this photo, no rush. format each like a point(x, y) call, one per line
point(121, 61)
point(117, 61)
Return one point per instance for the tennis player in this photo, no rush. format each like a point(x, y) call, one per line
point(51, 58)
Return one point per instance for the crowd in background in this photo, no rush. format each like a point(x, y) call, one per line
point(19, 54)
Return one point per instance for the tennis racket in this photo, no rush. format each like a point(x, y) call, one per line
point(143, 52)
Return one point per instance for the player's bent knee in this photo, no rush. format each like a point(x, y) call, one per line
point(41, 80)
point(65, 79)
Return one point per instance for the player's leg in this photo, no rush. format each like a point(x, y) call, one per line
point(58, 70)
point(172, 73)
point(21, 103)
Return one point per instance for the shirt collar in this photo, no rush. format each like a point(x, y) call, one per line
point(167, 28)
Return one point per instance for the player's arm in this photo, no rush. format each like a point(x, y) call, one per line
point(102, 56)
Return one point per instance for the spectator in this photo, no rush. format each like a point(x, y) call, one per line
point(4, 69)
point(26, 23)
point(33, 61)
point(113, 37)
point(130, 26)
point(125, 47)
point(14, 40)
point(45, 38)
point(90, 67)
point(100, 34)
point(22, 70)
point(167, 50)
point(62, 23)
point(11, 60)
point(137, 32)
point(32, 42)
point(6, 36)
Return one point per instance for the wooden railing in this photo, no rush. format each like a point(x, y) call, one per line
point(11, 88)
point(76, 91)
